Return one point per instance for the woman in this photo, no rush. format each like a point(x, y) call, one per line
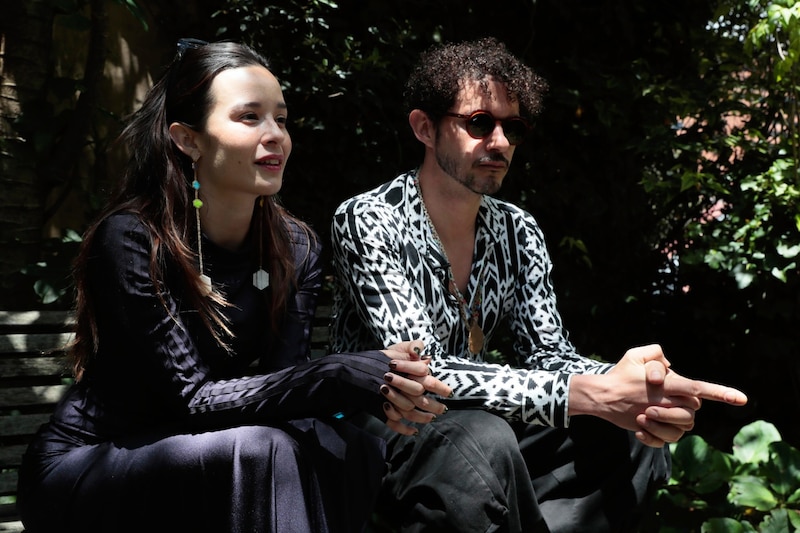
point(196, 407)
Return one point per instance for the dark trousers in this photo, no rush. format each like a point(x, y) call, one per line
point(471, 471)
point(306, 476)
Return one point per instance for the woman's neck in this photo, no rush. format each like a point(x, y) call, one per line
point(226, 224)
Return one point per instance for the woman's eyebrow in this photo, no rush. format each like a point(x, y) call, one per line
point(257, 104)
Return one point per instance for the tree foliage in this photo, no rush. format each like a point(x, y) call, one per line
point(726, 189)
point(734, 182)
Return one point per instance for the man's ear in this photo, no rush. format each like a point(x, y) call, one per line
point(184, 138)
point(423, 127)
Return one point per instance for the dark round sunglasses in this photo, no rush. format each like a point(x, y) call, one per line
point(480, 124)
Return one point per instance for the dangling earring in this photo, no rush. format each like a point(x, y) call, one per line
point(198, 203)
point(260, 276)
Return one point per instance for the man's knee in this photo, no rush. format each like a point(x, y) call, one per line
point(477, 436)
point(477, 422)
point(481, 448)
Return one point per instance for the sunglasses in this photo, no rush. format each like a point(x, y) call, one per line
point(187, 43)
point(481, 124)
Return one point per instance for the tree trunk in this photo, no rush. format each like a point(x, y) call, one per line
point(39, 153)
point(25, 59)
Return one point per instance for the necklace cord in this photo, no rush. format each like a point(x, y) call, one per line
point(470, 319)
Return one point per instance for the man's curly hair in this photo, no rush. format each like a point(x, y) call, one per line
point(444, 69)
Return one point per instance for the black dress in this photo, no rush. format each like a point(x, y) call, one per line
point(169, 432)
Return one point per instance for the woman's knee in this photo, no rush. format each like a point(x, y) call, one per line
point(249, 444)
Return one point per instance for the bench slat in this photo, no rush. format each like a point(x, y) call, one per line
point(36, 395)
point(323, 314)
point(40, 366)
point(9, 518)
point(8, 513)
point(319, 336)
point(15, 425)
point(11, 527)
point(11, 457)
point(34, 342)
point(50, 319)
point(8, 482)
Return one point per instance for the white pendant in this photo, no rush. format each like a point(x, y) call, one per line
point(206, 283)
point(261, 279)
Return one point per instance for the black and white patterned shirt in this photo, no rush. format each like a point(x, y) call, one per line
point(392, 286)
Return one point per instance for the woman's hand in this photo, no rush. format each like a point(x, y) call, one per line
point(407, 383)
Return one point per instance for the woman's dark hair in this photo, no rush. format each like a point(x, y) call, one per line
point(443, 69)
point(157, 186)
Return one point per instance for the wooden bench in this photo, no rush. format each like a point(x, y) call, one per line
point(34, 375)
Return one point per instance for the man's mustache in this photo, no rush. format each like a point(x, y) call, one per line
point(493, 158)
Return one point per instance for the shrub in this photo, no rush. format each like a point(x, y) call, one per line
point(756, 487)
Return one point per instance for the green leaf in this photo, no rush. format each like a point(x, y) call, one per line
point(704, 469)
point(690, 180)
point(744, 279)
point(751, 443)
point(783, 470)
point(725, 525)
point(47, 292)
point(784, 250)
point(70, 235)
point(751, 492)
point(794, 518)
point(776, 522)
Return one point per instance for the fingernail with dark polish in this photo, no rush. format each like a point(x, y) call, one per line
point(386, 406)
point(388, 377)
point(384, 390)
point(392, 364)
point(417, 350)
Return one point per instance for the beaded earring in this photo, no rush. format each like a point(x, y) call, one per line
point(260, 276)
point(198, 203)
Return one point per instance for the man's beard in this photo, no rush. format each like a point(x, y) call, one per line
point(467, 179)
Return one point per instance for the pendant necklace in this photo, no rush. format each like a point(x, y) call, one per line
point(475, 336)
point(470, 312)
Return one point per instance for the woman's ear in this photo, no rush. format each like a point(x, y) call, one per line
point(422, 126)
point(184, 138)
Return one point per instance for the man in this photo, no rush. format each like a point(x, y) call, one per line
point(433, 256)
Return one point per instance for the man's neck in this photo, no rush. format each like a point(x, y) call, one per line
point(451, 207)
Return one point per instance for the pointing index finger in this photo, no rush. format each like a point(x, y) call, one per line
point(679, 385)
point(722, 393)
